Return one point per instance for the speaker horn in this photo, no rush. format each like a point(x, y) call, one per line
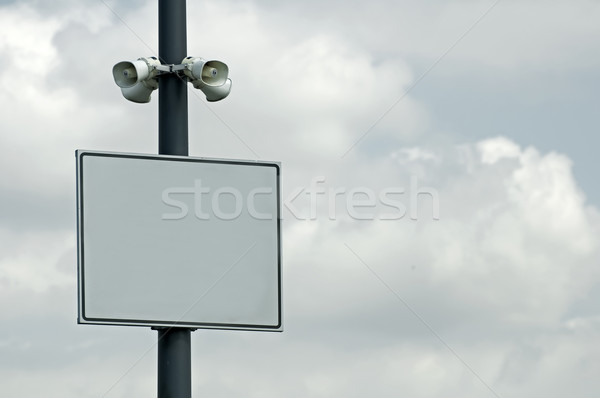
point(214, 93)
point(211, 73)
point(139, 92)
point(127, 74)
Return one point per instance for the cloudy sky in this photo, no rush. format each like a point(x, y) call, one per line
point(487, 105)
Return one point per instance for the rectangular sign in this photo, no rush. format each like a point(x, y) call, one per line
point(178, 241)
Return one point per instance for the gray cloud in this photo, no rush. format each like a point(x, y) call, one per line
point(506, 277)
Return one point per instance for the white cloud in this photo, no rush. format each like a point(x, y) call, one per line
point(305, 95)
point(37, 261)
point(514, 245)
point(493, 150)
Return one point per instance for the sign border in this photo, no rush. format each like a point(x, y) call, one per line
point(82, 319)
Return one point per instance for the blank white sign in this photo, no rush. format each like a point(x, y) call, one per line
point(178, 241)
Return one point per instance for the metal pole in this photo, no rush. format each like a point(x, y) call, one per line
point(172, 90)
point(174, 348)
point(174, 363)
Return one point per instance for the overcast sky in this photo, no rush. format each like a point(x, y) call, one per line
point(490, 105)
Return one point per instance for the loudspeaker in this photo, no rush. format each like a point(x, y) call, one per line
point(140, 92)
point(127, 74)
point(213, 93)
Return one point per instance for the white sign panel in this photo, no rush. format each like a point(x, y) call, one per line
point(178, 241)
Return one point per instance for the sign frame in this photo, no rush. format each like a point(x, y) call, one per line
point(83, 301)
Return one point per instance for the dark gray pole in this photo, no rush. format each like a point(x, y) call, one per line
point(174, 348)
point(172, 90)
point(174, 363)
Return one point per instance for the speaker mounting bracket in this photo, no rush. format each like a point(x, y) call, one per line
point(170, 68)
